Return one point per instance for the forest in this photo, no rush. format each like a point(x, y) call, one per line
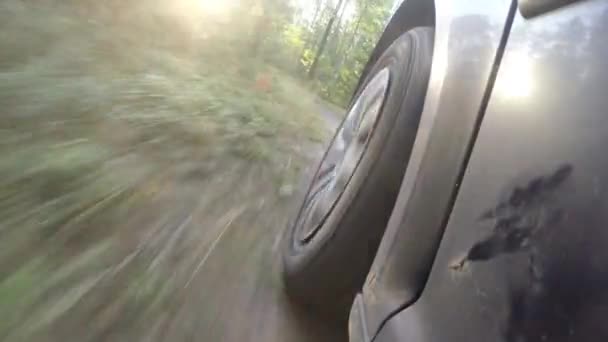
point(323, 42)
point(151, 152)
point(334, 44)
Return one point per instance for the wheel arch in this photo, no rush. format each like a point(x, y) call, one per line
point(409, 14)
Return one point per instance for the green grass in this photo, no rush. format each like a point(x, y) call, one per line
point(99, 112)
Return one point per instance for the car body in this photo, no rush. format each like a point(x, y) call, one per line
point(499, 228)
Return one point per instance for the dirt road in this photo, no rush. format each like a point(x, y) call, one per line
point(235, 292)
point(196, 261)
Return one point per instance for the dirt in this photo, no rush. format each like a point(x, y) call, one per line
point(331, 114)
point(197, 259)
point(227, 277)
point(234, 293)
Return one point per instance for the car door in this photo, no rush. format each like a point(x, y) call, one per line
point(468, 34)
point(524, 256)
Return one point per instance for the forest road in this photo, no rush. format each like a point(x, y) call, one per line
point(236, 292)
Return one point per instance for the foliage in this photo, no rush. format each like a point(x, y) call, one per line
point(117, 115)
point(350, 44)
point(108, 110)
point(292, 40)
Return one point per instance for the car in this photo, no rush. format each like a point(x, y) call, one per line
point(465, 195)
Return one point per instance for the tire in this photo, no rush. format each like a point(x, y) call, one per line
point(329, 246)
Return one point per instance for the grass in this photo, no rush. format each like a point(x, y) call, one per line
point(107, 113)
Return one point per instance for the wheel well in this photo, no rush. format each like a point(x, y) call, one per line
point(409, 14)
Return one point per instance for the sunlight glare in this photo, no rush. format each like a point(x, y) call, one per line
point(216, 7)
point(516, 79)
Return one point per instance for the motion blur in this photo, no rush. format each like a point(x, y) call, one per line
point(151, 152)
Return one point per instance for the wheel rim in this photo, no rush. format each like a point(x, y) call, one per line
point(342, 158)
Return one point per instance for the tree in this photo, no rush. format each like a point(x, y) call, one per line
point(345, 50)
point(313, 24)
point(321, 48)
point(330, 41)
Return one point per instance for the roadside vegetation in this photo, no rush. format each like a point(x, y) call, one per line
point(133, 132)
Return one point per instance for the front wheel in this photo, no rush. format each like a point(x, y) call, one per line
point(329, 247)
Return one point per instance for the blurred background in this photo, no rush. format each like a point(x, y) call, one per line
point(151, 154)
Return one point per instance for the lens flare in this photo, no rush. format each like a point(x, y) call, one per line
point(516, 79)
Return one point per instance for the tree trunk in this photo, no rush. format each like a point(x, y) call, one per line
point(313, 25)
point(312, 34)
point(344, 56)
point(336, 34)
point(322, 45)
point(356, 30)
